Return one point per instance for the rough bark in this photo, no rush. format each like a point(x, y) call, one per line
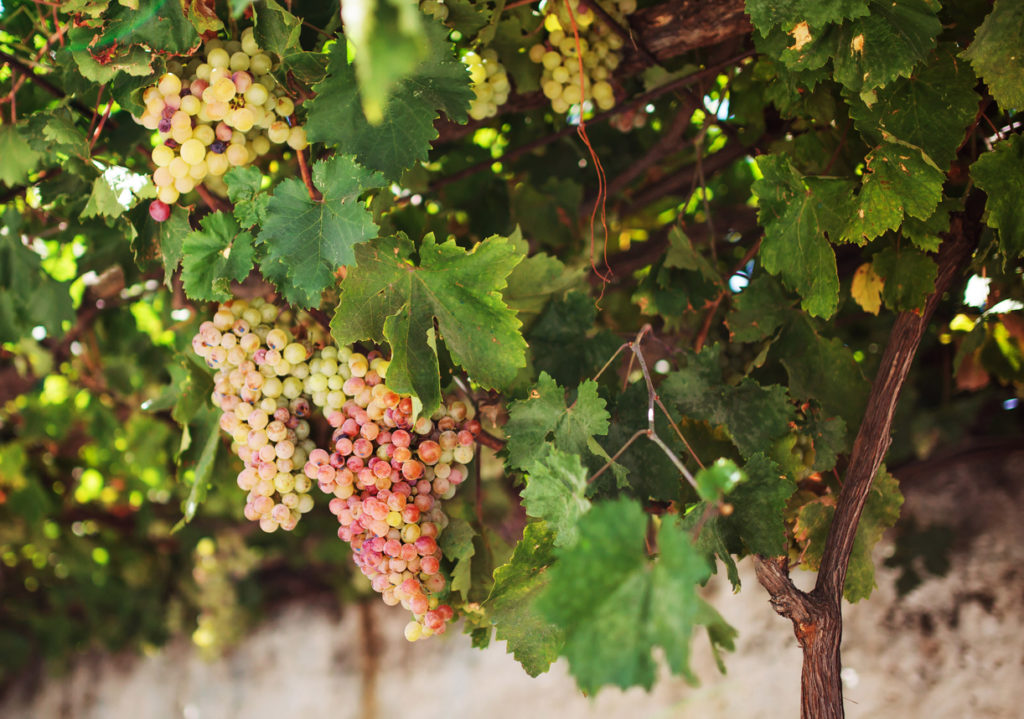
point(817, 615)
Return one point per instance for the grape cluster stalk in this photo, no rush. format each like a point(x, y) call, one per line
point(560, 55)
point(220, 110)
point(387, 468)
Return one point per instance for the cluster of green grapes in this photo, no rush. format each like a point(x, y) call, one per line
point(387, 469)
point(219, 111)
point(490, 83)
point(560, 56)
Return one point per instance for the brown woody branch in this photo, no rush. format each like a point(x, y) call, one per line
point(817, 615)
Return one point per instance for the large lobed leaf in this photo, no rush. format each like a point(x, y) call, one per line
point(389, 297)
point(403, 136)
point(555, 491)
point(214, 256)
point(1000, 174)
point(616, 604)
point(996, 53)
point(307, 240)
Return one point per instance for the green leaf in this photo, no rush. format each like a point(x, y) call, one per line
point(214, 256)
point(245, 190)
point(312, 238)
point(172, 234)
point(898, 181)
point(335, 116)
point(207, 431)
point(799, 214)
point(531, 421)
point(718, 480)
point(996, 55)
point(909, 277)
point(531, 639)
point(931, 109)
point(387, 296)
point(759, 310)
point(823, 369)
point(924, 234)
point(537, 279)
point(766, 14)
point(759, 506)
point(555, 491)
point(616, 605)
point(160, 26)
point(456, 541)
point(881, 510)
point(563, 343)
point(874, 50)
point(753, 415)
point(276, 30)
point(1000, 173)
point(19, 157)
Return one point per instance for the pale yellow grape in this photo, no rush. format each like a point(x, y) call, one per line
point(203, 72)
point(556, 38)
point(242, 119)
point(551, 89)
point(237, 154)
point(151, 94)
point(560, 106)
point(190, 105)
point(184, 184)
point(155, 107)
point(178, 168)
point(168, 195)
point(261, 144)
point(219, 73)
point(551, 60)
point(232, 46)
point(605, 103)
point(249, 44)
point(297, 138)
point(204, 133)
point(603, 90)
point(560, 74)
point(278, 132)
point(484, 92)
point(181, 134)
point(239, 61)
point(571, 94)
point(284, 107)
point(150, 122)
point(478, 110)
point(260, 64)
point(551, 23)
point(223, 89)
point(217, 111)
point(192, 151)
point(162, 155)
point(162, 177)
point(256, 94)
point(169, 84)
point(198, 171)
point(218, 57)
point(217, 164)
point(181, 119)
point(537, 53)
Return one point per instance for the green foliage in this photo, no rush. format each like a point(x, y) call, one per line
point(737, 226)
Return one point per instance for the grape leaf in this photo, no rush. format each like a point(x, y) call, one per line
point(874, 50)
point(822, 369)
point(718, 480)
point(909, 277)
point(753, 415)
point(456, 541)
point(555, 491)
point(759, 505)
point(996, 55)
point(898, 181)
point(881, 510)
point(537, 279)
point(386, 296)
point(544, 413)
point(276, 30)
point(766, 14)
point(759, 310)
point(172, 234)
point(930, 109)
point(561, 341)
point(160, 26)
point(245, 192)
point(335, 116)
point(798, 215)
point(214, 256)
point(1000, 173)
point(866, 288)
point(617, 605)
point(532, 640)
point(19, 157)
point(311, 238)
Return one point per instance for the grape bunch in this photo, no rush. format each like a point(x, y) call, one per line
point(490, 83)
point(560, 56)
point(386, 469)
point(215, 112)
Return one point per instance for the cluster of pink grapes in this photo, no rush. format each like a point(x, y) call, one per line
point(221, 110)
point(386, 469)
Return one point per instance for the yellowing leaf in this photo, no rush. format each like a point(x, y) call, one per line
point(867, 288)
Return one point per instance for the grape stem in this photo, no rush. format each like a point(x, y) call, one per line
point(314, 194)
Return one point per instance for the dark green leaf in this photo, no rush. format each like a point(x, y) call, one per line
point(214, 256)
point(909, 277)
point(996, 56)
point(1000, 174)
